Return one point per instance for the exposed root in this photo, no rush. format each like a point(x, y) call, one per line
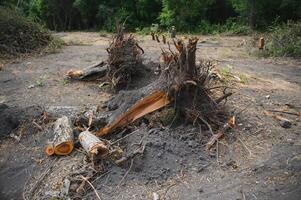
point(124, 59)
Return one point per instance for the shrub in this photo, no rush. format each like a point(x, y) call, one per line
point(284, 40)
point(20, 35)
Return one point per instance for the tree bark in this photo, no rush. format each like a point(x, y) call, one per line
point(92, 144)
point(63, 141)
point(92, 72)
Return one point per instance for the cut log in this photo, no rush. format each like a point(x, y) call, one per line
point(92, 72)
point(63, 141)
point(92, 144)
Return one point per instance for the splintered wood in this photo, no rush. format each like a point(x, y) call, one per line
point(63, 141)
point(149, 104)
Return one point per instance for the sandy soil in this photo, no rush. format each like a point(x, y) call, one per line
point(257, 160)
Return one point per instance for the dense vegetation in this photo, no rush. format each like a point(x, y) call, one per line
point(205, 16)
point(280, 19)
point(19, 35)
point(284, 40)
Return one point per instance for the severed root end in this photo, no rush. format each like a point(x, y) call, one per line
point(64, 148)
point(61, 150)
point(49, 150)
point(74, 73)
point(100, 149)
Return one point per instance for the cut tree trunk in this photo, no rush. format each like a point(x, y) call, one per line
point(92, 72)
point(92, 144)
point(63, 141)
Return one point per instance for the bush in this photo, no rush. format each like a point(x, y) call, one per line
point(20, 35)
point(284, 40)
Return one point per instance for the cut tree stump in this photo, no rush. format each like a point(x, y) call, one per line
point(92, 72)
point(182, 83)
point(92, 144)
point(63, 141)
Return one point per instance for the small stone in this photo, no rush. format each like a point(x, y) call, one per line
point(285, 124)
point(200, 190)
point(31, 86)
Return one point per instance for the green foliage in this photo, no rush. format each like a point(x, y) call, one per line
point(184, 13)
point(19, 34)
point(231, 27)
point(261, 13)
point(204, 16)
point(284, 40)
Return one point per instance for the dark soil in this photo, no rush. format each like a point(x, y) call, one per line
point(257, 160)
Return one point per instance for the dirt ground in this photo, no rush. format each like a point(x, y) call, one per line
point(258, 159)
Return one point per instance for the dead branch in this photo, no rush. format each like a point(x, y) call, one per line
point(127, 172)
point(92, 72)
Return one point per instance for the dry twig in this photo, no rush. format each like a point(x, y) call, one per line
point(96, 193)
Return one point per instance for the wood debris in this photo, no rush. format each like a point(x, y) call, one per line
point(63, 141)
point(284, 122)
point(124, 62)
point(92, 144)
point(149, 104)
point(92, 72)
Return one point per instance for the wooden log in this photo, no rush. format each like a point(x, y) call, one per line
point(63, 141)
point(92, 72)
point(92, 144)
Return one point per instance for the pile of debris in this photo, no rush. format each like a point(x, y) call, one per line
point(19, 35)
point(185, 92)
point(183, 85)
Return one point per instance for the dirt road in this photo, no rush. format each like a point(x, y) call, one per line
point(257, 160)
